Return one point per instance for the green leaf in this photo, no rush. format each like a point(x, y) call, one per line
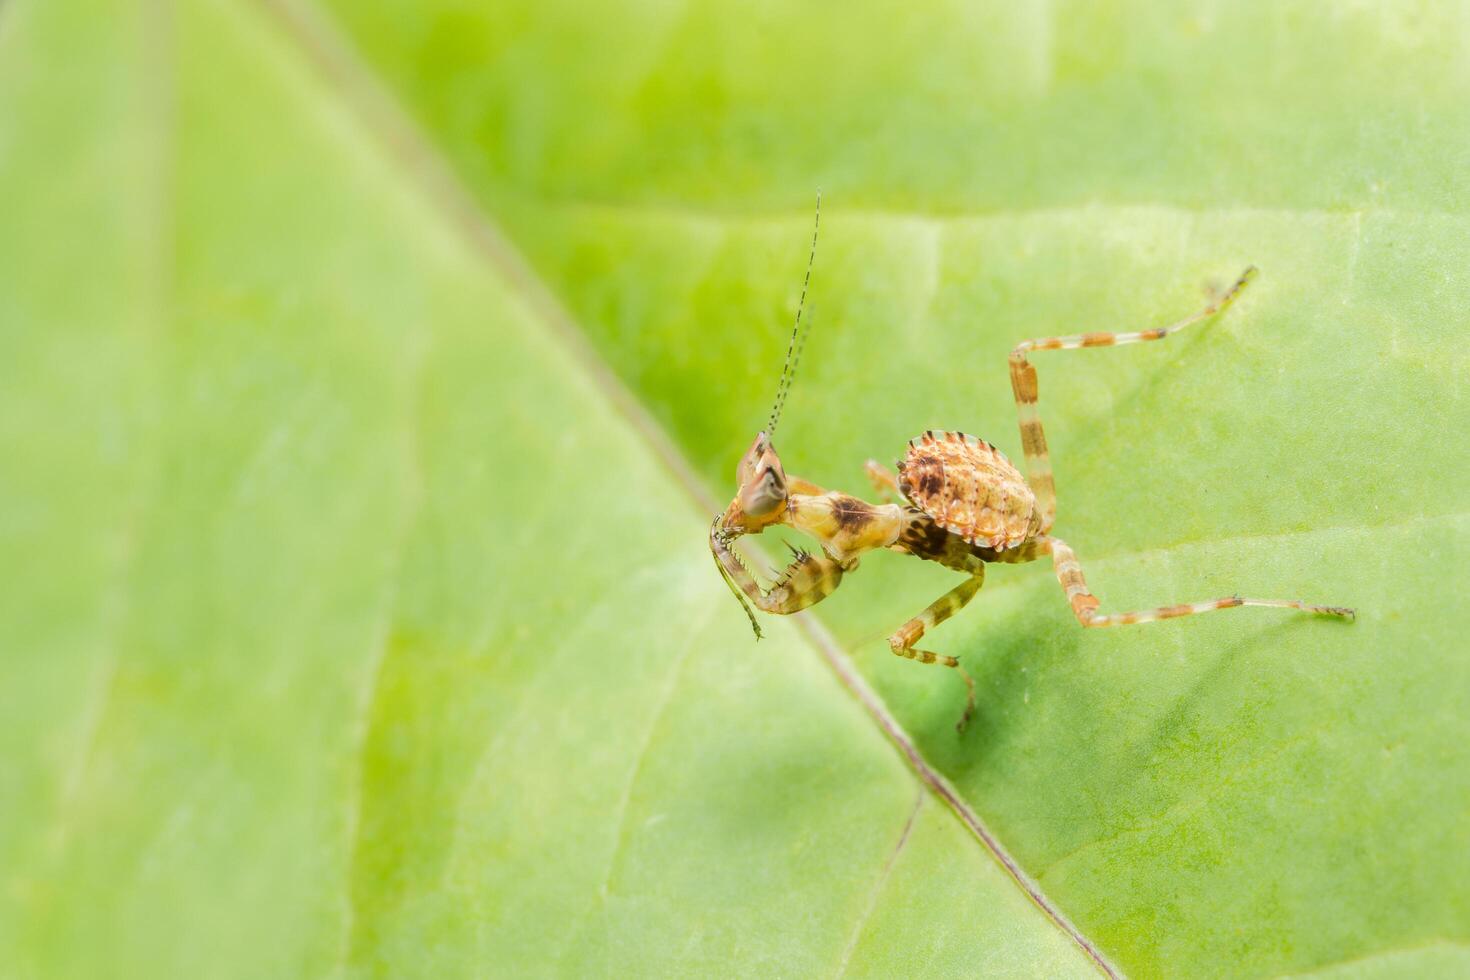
point(349, 627)
point(358, 622)
point(1250, 793)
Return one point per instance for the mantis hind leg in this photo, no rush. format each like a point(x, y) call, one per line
point(1023, 384)
point(1085, 604)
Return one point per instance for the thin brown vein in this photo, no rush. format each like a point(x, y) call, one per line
point(619, 822)
point(846, 672)
point(330, 55)
point(877, 890)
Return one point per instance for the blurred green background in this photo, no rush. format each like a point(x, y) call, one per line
point(370, 373)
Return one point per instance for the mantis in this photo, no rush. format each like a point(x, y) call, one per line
point(955, 500)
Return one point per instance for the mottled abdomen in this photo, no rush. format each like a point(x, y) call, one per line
point(970, 488)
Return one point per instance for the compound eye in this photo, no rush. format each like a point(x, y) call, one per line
point(745, 472)
point(765, 495)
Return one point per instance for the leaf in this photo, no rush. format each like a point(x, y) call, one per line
point(355, 622)
point(1246, 793)
point(350, 627)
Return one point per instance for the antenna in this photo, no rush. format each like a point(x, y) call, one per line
point(798, 335)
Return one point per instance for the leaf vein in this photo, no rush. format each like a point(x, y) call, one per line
point(880, 883)
point(1432, 944)
point(1179, 808)
point(705, 213)
point(410, 466)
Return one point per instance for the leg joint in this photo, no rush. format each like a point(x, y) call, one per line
point(905, 637)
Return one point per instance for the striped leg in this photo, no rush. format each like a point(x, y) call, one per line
point(806, 581)
point(884, 481)
point(903, 640)
point(1023, 383)
point(1084, 603)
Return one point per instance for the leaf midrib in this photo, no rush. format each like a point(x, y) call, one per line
point(363, 96)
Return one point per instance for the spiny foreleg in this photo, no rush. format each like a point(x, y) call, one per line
point(806, 581)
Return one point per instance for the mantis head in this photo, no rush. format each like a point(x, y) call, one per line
point(761, 492)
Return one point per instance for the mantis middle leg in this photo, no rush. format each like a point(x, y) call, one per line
point(1033, 440)
point(884, 480)
point(903, 640)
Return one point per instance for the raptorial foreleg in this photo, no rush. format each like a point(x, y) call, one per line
point(806, 581)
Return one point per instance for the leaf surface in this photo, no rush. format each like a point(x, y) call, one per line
point(349, 626)
point(1247, 793)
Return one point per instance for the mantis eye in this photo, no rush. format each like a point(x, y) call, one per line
point(765, 494)
point(761, 481)
point(751, 462)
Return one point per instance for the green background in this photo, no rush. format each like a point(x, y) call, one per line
point(371, 371)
